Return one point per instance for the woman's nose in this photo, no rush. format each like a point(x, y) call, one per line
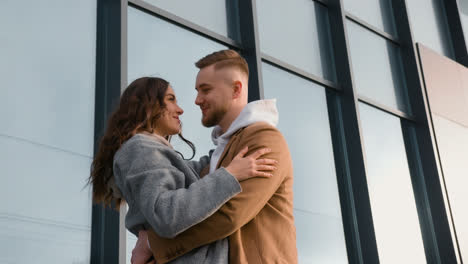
point(180, 111)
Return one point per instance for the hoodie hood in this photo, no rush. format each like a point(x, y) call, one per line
point(253, 112)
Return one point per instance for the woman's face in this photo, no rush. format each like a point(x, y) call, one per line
point(169, 122)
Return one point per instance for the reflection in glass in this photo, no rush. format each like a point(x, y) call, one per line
point(429, 25)
point(390, 189)
point(46, 213)
point(297, 32)
point(47, 70)
point(158, 48)
point(377, 68)
point(303, 119)
point(378, 13)
point(452, 142)
point(210, 14)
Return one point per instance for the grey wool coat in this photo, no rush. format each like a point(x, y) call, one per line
point(165, 192)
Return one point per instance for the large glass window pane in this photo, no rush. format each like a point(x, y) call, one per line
point(47, 130)
point(210, 14)
point(390, 189)
point(158, 48)
point(378, 13)
point(303, 119)
point(46, 214)
point(452, 141)
point(377, 68)
point(47, 70)
point(429, 25)
point(297, 32)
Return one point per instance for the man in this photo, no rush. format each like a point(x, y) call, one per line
point(259, 221)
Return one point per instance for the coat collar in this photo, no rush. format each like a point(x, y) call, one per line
point(228, 146)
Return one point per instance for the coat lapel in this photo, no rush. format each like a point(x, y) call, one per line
point(228, 146)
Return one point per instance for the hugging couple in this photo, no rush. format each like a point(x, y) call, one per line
point(234, 205)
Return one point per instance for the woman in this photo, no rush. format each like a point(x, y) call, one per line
point(136, 163)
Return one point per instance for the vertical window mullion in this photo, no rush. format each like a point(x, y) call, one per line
point(110, 80)
point(250, 47)
point(348, 148)
point(456, 31)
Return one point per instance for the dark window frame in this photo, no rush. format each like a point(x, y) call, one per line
point(111, 63)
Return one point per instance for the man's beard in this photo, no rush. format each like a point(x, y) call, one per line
point(215, 118)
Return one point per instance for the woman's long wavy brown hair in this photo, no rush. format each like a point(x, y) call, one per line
point(141, 104)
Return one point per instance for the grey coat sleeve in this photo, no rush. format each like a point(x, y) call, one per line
point(199, 165)
point(153, 183)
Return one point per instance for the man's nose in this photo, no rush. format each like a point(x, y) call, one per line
point(198, 100)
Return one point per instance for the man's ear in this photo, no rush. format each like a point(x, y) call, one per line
point(237, 89)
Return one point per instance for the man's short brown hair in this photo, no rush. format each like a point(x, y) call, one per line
point(222, 59)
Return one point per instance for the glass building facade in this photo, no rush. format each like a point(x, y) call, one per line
point(372, 97)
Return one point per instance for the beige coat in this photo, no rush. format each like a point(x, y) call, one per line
point(259, 221)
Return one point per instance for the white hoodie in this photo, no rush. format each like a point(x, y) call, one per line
point(253, 112)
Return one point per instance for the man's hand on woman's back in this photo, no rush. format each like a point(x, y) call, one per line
point(142, 254)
